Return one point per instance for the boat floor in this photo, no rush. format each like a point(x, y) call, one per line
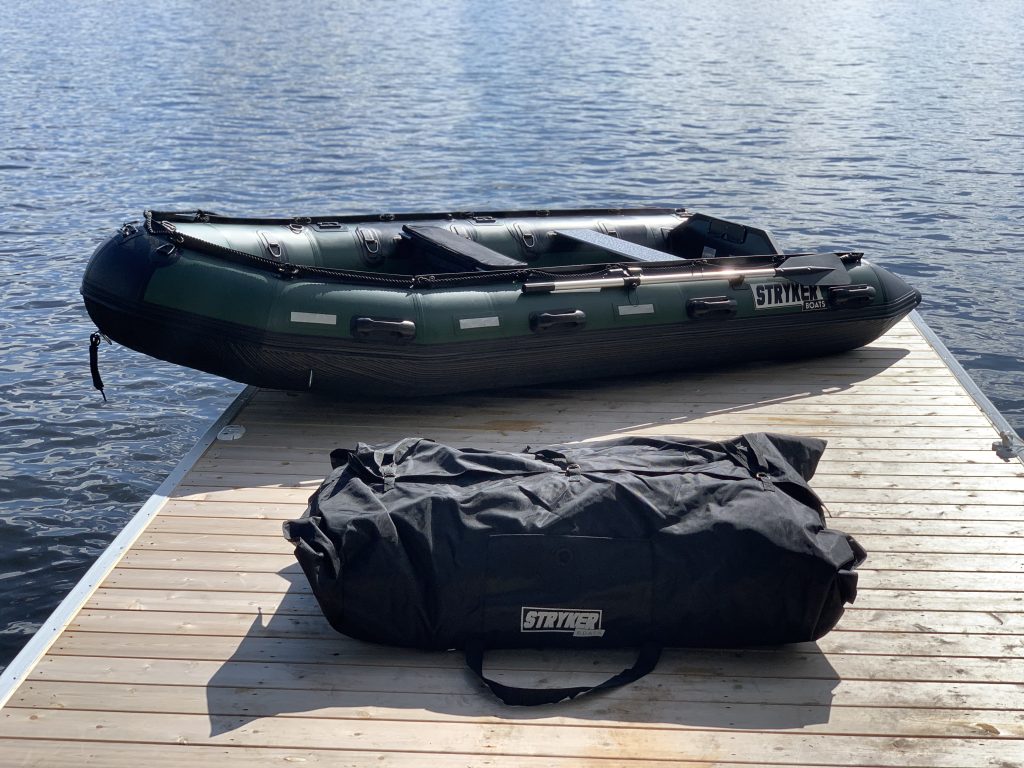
point(202, 644)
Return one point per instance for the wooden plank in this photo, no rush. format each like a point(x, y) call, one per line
point(961, 410)
point(948, 449)
point(841, 424)
point(235, 581)
point(803, 661)
point(760, 381)
point(995, 532)
point(404, 707)
point(1013, 499)
point(954, 461)
point(839, 510)
point(297, 599)
point(996, 568)
point(892, 576)
point(892, 466)
point(953, 597)
point(939, 545)
point(267, 541)
point(834, 462)
point(657, 686)
point(996, 586)
point(929, 481)
point(881, 440)
point(663, 387)
point(978, 633)
point(926, 402)
point(204, 601)
point(695, 404)
point(220, 510)
point(1005, 484)
point(899, 363)
point(836, 509)
point(511, 738)
point(83, 753)
point(209, 542)
point(174, 519)
point(903, 527)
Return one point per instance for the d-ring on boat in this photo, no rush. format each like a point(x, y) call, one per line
point(427, 303)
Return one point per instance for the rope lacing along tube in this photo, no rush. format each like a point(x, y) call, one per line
point(423, 282)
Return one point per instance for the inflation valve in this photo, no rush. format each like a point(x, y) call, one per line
point(94, 361)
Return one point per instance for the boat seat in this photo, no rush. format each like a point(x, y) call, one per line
point(623, 249)
point(456, 253)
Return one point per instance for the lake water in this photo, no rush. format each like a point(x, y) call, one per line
point(887, 127)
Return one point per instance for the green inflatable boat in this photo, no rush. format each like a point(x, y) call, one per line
point(422, 304)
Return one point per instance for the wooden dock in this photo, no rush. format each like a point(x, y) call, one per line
point(195, 640)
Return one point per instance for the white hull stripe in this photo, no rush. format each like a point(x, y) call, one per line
point(478, 322)
point(314, 317)
point(636, 309)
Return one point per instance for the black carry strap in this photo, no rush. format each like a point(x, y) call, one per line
point(646, 661)
point(94, 363)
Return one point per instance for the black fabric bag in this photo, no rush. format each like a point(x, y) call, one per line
point(637, 541)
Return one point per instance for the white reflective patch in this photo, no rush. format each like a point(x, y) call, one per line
point(636, 309)
point(314, 317)
point(478, 322)
point(708, 253)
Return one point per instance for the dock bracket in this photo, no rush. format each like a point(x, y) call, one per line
point(1009, 446)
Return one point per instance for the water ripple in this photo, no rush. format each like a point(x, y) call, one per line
point(882, 127)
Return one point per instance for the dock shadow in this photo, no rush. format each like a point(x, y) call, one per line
point(292, 663)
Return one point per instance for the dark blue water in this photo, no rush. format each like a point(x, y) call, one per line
point(885, 127)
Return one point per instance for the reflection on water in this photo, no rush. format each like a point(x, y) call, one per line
point(884, 127)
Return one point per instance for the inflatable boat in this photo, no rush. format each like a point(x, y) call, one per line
point(423, 304)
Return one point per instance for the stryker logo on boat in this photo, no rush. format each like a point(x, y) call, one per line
point(777, 295)
point(581, 622)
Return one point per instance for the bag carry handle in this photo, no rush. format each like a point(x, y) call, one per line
point(646, 660)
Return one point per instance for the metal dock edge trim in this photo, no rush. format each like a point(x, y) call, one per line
point(1009, 435)
point(40, 643)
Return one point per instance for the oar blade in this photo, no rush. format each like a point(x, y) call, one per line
point(816, 269)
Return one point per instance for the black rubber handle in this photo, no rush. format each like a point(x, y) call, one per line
point(851, 296)
point(563, 319)
point(711, 308)
point(372, 327)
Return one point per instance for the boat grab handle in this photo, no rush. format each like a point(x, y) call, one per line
point(376, 328)
point(851, 296)
point(564, 319)
point(711, 308)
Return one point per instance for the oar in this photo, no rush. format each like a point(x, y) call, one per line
point(816, 269)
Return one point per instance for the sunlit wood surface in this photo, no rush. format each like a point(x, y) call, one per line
point(205, 647)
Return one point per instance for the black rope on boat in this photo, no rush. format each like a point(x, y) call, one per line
point(94, 362)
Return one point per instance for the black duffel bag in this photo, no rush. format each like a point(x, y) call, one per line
point(638, 541)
